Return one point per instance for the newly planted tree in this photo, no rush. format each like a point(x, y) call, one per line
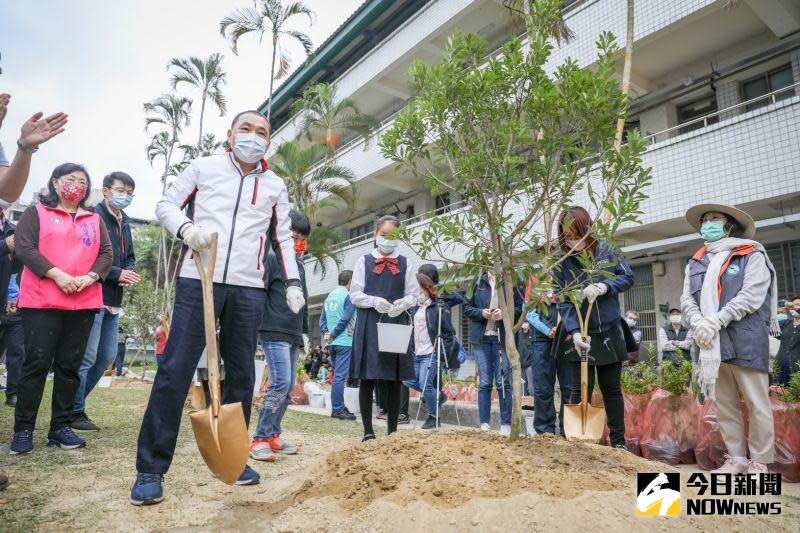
point(519, 144)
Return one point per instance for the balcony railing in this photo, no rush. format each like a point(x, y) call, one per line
point(764, 99)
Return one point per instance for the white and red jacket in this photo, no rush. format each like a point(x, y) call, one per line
point(240, 208)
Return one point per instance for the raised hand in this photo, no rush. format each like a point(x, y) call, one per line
point(38, 130)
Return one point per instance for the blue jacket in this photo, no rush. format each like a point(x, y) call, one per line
point(124, 259)
point(481, 297)
point(606, 310)
point(451, 344)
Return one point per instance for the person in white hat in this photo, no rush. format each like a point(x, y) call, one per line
point(730, 302)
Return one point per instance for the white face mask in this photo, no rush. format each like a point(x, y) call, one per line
point(386, 246)
point(249, 147)
point(422, 299)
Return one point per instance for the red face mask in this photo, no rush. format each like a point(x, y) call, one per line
point(73, 192)
point(299, 247)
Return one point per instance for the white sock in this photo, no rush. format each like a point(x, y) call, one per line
point(742, 460)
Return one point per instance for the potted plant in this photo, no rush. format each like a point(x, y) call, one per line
point(670, 428)
point(638, 383)
point(786, 412)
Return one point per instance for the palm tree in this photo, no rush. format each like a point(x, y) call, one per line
point(207, 76)
point(312, 189)
point(268, 17)
point(325, 118)
point(172, 114)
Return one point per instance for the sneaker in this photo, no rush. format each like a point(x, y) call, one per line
point(731, 466)
point(621, 447)
point(485, 427)
point(430, 423)
point(260, 450)
point(756, 468)
point(147, 490)
point(505, 430)
point(65, 438)
point(22, 442)
point(11, 400)
point(367, 437)
point(381, 414)
point(403, 419)
point(249, 477)
point(81, 422)
point(344, 414)
point(278, 446)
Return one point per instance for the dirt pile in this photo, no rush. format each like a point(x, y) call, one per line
point(448, 468)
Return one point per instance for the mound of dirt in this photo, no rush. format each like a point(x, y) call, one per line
point(448, 468)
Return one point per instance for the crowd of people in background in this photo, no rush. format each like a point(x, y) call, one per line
point(65, 266)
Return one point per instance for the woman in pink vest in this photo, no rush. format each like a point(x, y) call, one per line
point(66, 252)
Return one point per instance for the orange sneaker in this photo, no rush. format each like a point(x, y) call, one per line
point(260, 450)
point(278, 446)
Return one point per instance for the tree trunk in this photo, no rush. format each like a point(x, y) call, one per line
point(510, 346)
point(626, 85)
point(272, 76)
point(202, 112)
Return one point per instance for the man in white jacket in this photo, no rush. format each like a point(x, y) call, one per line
point(235, 195)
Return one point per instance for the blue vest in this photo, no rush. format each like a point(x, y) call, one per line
point(334, 309)
point(743, 342)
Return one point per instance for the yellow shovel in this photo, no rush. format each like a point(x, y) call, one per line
point(220, 430)
point(583, 421)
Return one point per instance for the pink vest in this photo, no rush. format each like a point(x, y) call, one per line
point(72, 246)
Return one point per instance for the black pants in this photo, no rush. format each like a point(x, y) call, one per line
point(390, 390)
point(609, 378)
point(239, 310)
point(58, 338)
point(14, 339)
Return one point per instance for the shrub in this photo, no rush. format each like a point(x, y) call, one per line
point(675, 378)
point(791, 391)
point(640, 378)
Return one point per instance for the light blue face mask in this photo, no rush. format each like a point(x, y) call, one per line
point(713, 230)
point(120, 200)
point(782, 317)
point(249, 147)
point(386, 246)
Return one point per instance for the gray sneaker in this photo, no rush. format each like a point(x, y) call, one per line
point(81, 422)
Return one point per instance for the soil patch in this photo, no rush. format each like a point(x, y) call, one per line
point(431, 466)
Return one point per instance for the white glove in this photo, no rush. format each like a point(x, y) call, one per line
point(196, 238)
point(594, 290)
point(669, 346)
point(381, 305)
point(396, 310)
point(580, 344)
point(714, 323)
point(294, 298)
point(306, 344)
point(703, 334)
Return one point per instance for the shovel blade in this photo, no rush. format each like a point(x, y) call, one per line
point(584, 424)
point(223, 440)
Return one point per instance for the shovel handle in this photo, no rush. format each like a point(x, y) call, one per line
point(210, 321)
point(583, 322)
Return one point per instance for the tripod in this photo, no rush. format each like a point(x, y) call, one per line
point(439, 352)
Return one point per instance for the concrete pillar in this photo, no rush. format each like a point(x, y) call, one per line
point(658, 119)
point(727, 95)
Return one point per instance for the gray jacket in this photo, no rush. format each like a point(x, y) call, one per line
point(743, 307)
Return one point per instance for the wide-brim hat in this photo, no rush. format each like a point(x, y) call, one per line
point(695, 214)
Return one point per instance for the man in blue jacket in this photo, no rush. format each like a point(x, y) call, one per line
point(101, 350)
point(487, 337)
point(339, 311)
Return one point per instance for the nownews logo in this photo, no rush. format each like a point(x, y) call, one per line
point(659, 494)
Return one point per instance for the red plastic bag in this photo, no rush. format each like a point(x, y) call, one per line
point(787, 440)
point(451, 390)
point(710, 449)
point(635, 409)
point(670, 428)
point(298, 395)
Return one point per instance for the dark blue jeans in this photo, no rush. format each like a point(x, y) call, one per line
point(545, 369)
point(340, 355)
point(490, 373)
point(101, 350)
point(120, 360)
point(14, 337)
point(239, 310)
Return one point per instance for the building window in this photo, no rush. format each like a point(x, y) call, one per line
point(697, 109)
point(405, 214)
point(360, 230)
point(642, 299)
point(786, 259)
point(771, 81)
point(630, 125)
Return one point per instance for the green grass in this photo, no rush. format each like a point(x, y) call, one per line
point(27, 503)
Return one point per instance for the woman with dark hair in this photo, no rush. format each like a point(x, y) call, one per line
point(586, 257)
point(384, 287)
point(422, 345)
point(66, 251)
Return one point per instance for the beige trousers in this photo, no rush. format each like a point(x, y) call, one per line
point(753, 385)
